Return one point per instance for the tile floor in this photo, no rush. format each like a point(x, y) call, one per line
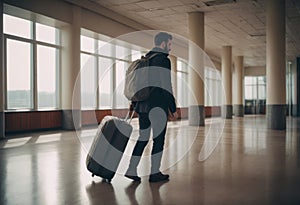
point(236, 161)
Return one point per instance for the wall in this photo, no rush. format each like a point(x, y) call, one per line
point(95, 18)
point(255, 71)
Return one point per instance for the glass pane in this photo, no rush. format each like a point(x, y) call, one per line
point(179, 89)
point(122, 53)
point(254, 92)
point(184, 66)
point(182, 94)
point(262, 80)
point(16, 26)
point(121, 101)
point(135, 55)
point(254, 80)
point(87, 44)
point(262, 92)
point(181, 66)
point(46, 77)
point(45, 33)
point(88, 81)
point(248, 80)
point(105, 82)
point(248, 92)
point(105, 48)
point(19, 92)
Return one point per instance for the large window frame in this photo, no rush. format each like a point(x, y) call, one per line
point(213, 87)
point(255, 94)
point(182, 81)
point(116, 59)
point(34, 43)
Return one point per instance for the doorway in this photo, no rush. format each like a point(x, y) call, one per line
point(255, 95)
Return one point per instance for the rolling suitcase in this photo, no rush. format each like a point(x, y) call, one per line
point(108, 146)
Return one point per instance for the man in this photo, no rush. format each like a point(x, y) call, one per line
point(154, 112)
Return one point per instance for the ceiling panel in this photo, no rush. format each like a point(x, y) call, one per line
point(241, 24)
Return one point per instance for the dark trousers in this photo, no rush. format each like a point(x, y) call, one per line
point(157, 121)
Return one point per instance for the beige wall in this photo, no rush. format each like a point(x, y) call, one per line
point(255, 71)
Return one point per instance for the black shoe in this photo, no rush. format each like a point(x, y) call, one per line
point(134, 178)
point(158, 177)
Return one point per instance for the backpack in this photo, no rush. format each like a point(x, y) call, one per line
point(137, 86)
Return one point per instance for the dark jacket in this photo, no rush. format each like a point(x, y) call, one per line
point(161, 95)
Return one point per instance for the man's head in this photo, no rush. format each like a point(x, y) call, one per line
point(163, 40)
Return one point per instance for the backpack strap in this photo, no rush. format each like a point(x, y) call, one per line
point(152, 56)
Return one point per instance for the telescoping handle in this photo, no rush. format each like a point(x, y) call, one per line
point(127, 116)
point(128, 113)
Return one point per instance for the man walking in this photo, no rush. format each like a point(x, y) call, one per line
point(154, 112)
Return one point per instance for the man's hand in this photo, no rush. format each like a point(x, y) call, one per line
point(173, 116)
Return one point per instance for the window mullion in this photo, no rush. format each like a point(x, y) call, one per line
point(113, 86)
point(5, 73)
point(58, 69)
point(34, 67)
point(57, 80)
point(97, 75)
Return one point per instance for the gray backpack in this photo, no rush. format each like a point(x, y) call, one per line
point(137, 86)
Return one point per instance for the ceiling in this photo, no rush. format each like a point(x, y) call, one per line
point(240, 23)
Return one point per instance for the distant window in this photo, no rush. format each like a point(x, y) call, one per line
point(121, 101)
point(27, 56)
point(88, 81)
point(105, 82)
point(255, 88)
point(182, 84)
point(213, 88)
point(19, 78)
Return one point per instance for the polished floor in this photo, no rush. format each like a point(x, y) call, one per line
point(236, 161)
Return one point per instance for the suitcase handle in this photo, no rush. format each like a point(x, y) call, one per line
point(127, 116)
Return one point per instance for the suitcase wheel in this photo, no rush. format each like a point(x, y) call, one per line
point(107, 180)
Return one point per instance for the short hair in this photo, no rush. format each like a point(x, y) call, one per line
point(161, 37)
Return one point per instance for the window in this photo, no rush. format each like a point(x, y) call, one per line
point(46, 76)
point(213, 88)
point(182, 84)
point(27, 55)
point(46, 34)
point(19, 77)
point(255, 94)
point(17, 27)
point(121, 101)
point(88, 81)
point(103, 84)
point(87, 44)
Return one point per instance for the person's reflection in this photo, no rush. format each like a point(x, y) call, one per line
point(130, 191)
point(101, 193)
point(155, 191)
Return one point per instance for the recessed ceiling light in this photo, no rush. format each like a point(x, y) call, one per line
point(218, 2)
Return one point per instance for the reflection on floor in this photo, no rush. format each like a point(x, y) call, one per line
point(236, 161)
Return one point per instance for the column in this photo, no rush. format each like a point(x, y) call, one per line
point(227, 81)
point(238, 106)
point(276, 65)
point(2, 91)
point(70, 94)
point(196, 69)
